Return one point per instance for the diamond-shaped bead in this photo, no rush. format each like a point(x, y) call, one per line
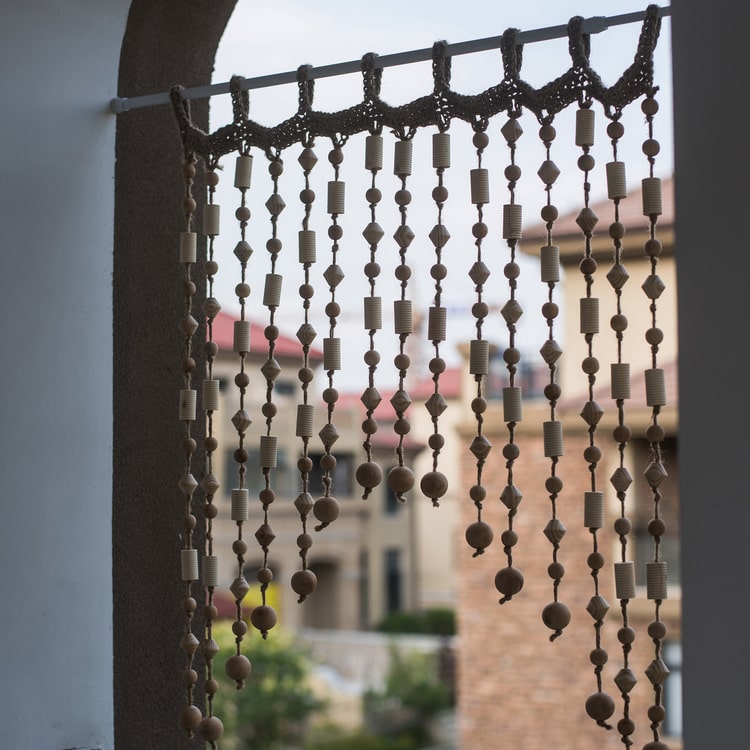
point(511, 496)
point(187, 484)
point(333, 275)
point(275, 204)
point(304, 503)
point(211, 307)
point(598, 607)
point(188, 325)
point(371, 398)
point(587, 219)
point(548, 172)
point(618, 276)
point(512, 130)
point(592, 413)
point(243, 251)
point(625, 680)
point(480, 446)
point(307, 159)
point(306, 334)
point(621, 479)
point(265, 535)
point(436, 405)
point(271, 369)
point(439, 235)
point(209, 648)
point(329, 434)
point(479, 273)
point(403, 236)
point(373, 233)
point(551, 351)
point(239, 588)
point(653, 286)
point(655, 473)
point(657, 672)
point(555, 530)
point(210, 484)
point(189, 643)
point(400, 401)
point(511, 311)
point(241, 420)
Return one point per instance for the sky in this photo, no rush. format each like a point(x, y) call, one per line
point(265, 38)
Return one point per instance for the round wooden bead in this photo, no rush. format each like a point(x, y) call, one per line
point(263, 617)
point(304, 582)
point(238, 667)
point(326, 509)
point(210, 728)
point(434, 484)
point(556, 571)
point(556, 616)
point(509, 581)
point(600, 706)
point(479, 535)
point(626, 635)
point(369, 474)
point(598, 657)
point(400, 479)
point(190, 717)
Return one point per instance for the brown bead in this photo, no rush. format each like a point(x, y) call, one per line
point(618, 323)
point(657, 527)
point(211, 511)
point(189, 604)
point(188, 205)
point(657, 630)
point(436, 441)
point(478, 405)
point(590, 365)
point(402, 361)
point(330, 395)
point(626, 727)
point(242, 380)
point(626, 636)
point(239, 547)
point(263, 617)
point(190, 717)
point(188, 364)
point(188, 169)
point(587, 266)
point(622, 433)
point(592, 454)
point(190, 677)
point(188, 522)
point(477, 493)
point(238, 667)
point(264, 575)
point(304, 582)
point(623, 526)
point(600, 706)
point(211, 687)
point(189, 288)
point(400, 479)
point(239, 628)
point(189, 445)
point(656, 713)
point(509, 538)
point(326, 509)
point(240, 455)
point(550, 310)
point(305, 464)
point(556, 616)
point(369, 474)
point(595, 561)
point(373, 195)
point(655, 433)
point(649, 106)
point(210, 444)
point(547, 132)
point(654, 336)
point(511, 451)
point(242, 213)
point(656, 745)
point(335, 232)
point(210, 728)
point(402, 197)
point(479, 535)
point(616, 230)
point(553, 485)
point(304, 541)
point(328, 462)
point(586, 162)
point(440, 194)
point(512, 172)
point(509, 581)
point(549, 213)
point(556, 571)
point(615, 130)
point(211, 612)
point(598, 657)
point(434, 484)
point(369, 427)
point(401, 426)
point(552, 391)
point(512, 356)
point(212, 179)
point(480, 139)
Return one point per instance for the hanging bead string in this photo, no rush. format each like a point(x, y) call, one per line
point(434, 484)
point(479, 534)
point(509, 580)
point(599, 705)
point(304, 581)
point(556, 614)
point(190, 715)
point(369, 474)
point(656, 398)
point(326, 508)
point(401, 477)
point(620, 392)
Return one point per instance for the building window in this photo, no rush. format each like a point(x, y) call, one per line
point(672, 698)
point(393, 581)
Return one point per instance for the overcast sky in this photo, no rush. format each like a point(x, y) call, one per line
point(264, 38)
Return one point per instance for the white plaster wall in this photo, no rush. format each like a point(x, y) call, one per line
point(58, 70)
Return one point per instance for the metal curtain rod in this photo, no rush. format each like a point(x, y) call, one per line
point(593, 25)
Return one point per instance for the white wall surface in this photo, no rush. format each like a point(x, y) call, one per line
point(58, 70)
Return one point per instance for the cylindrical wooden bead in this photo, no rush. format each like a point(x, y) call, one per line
point(585, 127)
point(550, 263)
point(402, 155)
point(211, 394)
point(589, 315)
point(305, 420)
point(336, 196)
point(187, 405)
point(332, 353)
point(307, 247)
point(593, 509)
point(373, 313)
point(625, 579)
point(241, 342)
point(188, 245)
point(402, 316)
point(480, 186)
point(272, 290)
point(651, 193)
point(243, 170)
point(437, 323)
point(512, 221)
point(617, 186)
point(479, 357)
point(512, 404)
point(656, 580)
point(189, 564)
point(374, 152)
point(268, 450)
point(620, 380)
point(240, 504)
point(441, 150)
point(210, 572)
point(656, 388)
point(553, 439)
point(211, 219)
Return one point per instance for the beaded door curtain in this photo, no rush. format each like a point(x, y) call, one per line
point(390, 132)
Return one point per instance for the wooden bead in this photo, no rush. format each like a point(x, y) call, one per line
point(598, 657)
point(263, 617)
point(479, 535)
point(304, 582)
point(238, 667)
point(400, 479)
point(326, 509)
point(190, 717)
point(434, 484)
point(600, 706)
point(509, 581)
point(210, 728)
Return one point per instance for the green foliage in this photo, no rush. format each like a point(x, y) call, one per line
point(273, 709)
point(435, 621)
